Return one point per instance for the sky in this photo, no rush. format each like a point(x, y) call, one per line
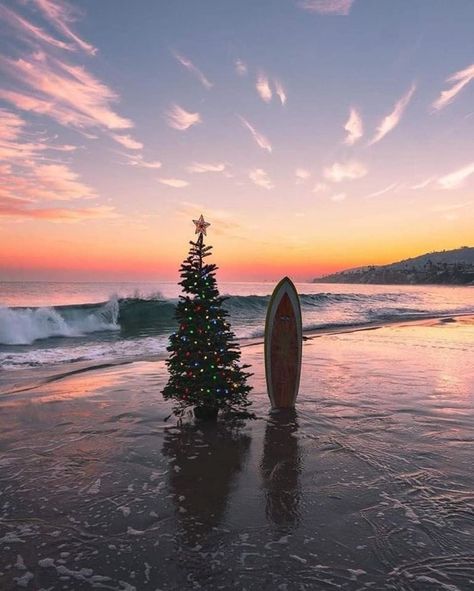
point(313, 135)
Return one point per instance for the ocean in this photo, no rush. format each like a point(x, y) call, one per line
point(45, 324)
point(366, 484)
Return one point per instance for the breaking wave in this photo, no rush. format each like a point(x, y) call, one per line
point(129, 318)
point(24, 326)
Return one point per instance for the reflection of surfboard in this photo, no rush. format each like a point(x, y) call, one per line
point(283, 344)
point(281, 467)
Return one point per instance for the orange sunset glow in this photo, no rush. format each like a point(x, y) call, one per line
point(302, 164)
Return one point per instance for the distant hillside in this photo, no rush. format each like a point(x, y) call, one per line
point(448, 267)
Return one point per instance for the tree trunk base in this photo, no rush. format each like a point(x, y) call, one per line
point(206, 413)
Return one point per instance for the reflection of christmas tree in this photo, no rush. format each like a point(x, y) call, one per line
point(280, 467)
point(204, 362)
point(204, 464)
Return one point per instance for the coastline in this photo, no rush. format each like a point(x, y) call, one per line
point(368, 483)
point(22, 380)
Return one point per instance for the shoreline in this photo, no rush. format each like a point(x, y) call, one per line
point(30, 380)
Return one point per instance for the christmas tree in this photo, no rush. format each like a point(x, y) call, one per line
point(204, 369)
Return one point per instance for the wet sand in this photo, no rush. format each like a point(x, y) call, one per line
point(368, 485)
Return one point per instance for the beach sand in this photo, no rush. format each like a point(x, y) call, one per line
point(368, 485)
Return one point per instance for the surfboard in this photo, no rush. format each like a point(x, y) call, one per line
point(283, 345)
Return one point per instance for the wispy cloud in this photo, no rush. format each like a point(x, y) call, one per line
point(60, 14)
point(280, 92)
point(69, 94)
point(263, 87)
point(63, 147)
point(422, 184)
point(201, 167)
point(386, 189)
point(240, 67)
point(11, 147)
point(175, 183)
point(338, 197)
point(127, 141)
point(188, 64)
point(59, 182)
point(27, 180)
point(43, 82)
point(259, 138)
point(456, 179)
point(138, 161)
point(354, 128)
point(29, 31)
point(458, 81)
point(393, 119)
point(341, 171)
point(335, 7)
point(47, 182)
point(260, 178)
point(179, 118)
point(33, 171)
point(302, 175)
point(319, 187)
point(14, 148)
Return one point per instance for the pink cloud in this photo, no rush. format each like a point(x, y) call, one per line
point(456, 179)
point(188, 64)
point(27, 180)
point(60, 14)
point(44, 84)
point(62, 147)
point(393, 119)
point(327, 7)
point(127, 141)
point(259, 177)
point(381, 192)
point(458, 81)
point(43, 182)
point(263, 87)
point(302, 175)
point(29, 30)
point(342, 171)
point(13, 148)
point(65, 92)
point(280, 91)
point(259, 138)
point(11, 125)
point(202, 167)
point(179, 118)
point(354, 128)
point(175, 183)
point(60, 183)
point(24, 188)
point(138, 161)
point(422, 184)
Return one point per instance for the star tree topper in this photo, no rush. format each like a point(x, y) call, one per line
point(201, 226)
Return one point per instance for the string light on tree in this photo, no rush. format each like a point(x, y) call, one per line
point(204, 364)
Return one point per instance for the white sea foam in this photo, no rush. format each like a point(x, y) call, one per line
point(91, 351)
